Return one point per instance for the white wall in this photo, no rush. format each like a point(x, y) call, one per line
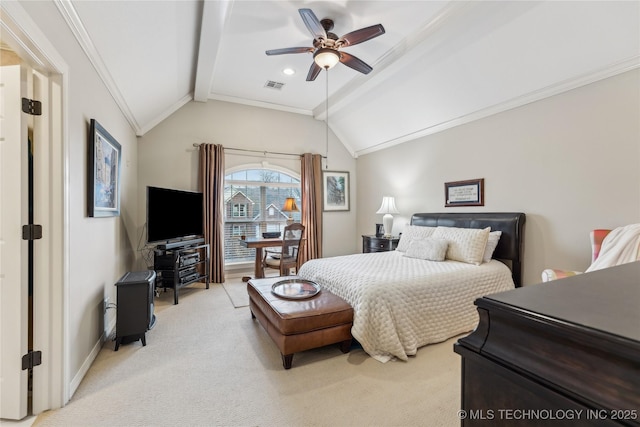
point(101, 249)
point(570, 162)
point(167, 157)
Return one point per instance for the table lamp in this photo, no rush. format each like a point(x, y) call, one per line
point(387, 208)
point(290, 206)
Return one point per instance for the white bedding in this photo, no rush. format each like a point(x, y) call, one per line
point(401, 303)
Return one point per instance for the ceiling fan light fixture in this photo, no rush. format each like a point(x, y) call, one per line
point(326, 58)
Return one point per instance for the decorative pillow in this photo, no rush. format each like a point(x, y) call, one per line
point(412, 232)
point(465, 244)
point(427, 248)
point(492, 243)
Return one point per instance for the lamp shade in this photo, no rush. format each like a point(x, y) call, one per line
point(290, 205)
point(326, 58)
point(388, 206)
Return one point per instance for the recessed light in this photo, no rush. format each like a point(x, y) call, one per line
point(289, 71)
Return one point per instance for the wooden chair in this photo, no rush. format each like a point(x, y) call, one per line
point(286, 257)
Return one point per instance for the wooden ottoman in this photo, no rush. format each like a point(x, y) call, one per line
point(298, 325)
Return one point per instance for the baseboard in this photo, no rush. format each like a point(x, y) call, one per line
point(237, 274)
point(77, 379)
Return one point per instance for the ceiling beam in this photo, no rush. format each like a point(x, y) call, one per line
point(214, 17)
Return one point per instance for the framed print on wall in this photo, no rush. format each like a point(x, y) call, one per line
point(335, 191)
point(464, 193)
point(105, 155)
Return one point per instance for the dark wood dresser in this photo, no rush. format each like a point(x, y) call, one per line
point(562, 353)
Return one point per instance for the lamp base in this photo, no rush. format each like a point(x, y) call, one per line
point(289, 234)
point(387, 223)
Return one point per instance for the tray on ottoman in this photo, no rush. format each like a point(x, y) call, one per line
point(300, 324)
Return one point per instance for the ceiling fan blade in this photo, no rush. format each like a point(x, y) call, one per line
point(313, 72)
point(312, 23)
point(355, 63)
point(361, 35)
point(289, 50)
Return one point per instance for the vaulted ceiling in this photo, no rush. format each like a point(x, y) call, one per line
point(439, 63)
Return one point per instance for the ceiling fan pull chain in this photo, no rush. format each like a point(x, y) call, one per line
point(326, 165)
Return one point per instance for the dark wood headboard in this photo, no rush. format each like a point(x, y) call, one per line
point(511, 244)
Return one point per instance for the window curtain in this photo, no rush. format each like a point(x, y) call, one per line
point(311, 185)
point(211, 178)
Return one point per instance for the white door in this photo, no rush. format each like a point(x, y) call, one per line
point(13, 250)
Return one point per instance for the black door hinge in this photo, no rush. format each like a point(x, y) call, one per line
point(32, 107)
point(31, 232)
point(31, 359)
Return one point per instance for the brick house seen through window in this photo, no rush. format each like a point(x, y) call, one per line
point(253, 204)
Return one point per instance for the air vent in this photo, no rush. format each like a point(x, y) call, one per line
point(273, 85)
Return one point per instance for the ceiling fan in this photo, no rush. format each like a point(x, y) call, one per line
point(326, 45)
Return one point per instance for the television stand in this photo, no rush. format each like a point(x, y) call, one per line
point(181, 266)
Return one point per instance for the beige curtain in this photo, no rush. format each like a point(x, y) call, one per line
point(211, 178)
point(311, 183)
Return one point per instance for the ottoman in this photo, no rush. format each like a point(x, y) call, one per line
point(304, 324)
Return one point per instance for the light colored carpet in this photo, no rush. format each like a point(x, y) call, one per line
point(208, 363)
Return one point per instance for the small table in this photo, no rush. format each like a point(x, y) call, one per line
point(258, 243)
point(379, 244)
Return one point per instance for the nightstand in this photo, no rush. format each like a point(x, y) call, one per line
point(379, 244)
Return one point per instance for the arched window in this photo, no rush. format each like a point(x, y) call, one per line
point(254, 199)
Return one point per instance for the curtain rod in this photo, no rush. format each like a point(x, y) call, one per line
point(195, 144)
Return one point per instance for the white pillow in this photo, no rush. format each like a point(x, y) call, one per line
point(412, 232)
point(465, 244)
point(427, 248)
point(492, 243)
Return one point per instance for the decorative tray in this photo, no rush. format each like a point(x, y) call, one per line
point(295, 289)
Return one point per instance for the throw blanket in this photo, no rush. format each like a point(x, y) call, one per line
point(620, 246)
point(403, 303)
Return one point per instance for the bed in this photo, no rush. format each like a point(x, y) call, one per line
point(404, 302)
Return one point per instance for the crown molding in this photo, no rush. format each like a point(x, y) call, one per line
point(546, 92)
point(169, 111)
point(74, 23)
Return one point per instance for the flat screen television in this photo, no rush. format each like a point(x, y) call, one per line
point(173, 214)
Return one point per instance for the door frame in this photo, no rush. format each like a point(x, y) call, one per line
point(51, 386)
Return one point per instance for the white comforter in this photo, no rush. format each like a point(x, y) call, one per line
point(403, 303)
